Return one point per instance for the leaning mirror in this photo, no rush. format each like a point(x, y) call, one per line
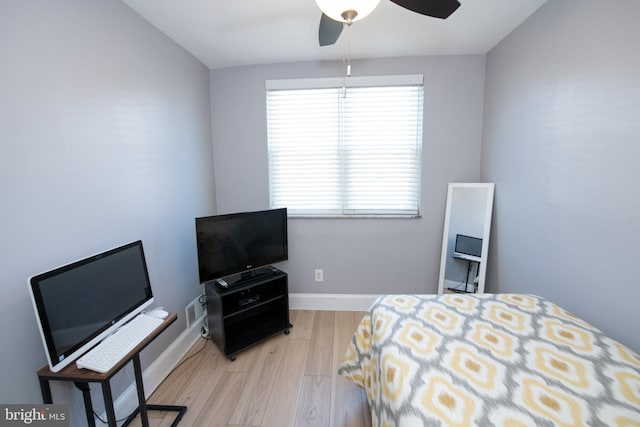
point(465, 241)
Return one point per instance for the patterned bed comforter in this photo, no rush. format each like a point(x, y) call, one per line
point(489, 360)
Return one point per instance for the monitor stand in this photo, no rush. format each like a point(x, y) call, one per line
point(246, 277)
point(257, 273)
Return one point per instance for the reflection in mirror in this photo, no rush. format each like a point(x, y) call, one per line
point(465, 241)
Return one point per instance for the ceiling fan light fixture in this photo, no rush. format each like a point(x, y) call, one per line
point(347, 11)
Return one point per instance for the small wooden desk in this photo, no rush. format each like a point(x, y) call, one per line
point(82, 377)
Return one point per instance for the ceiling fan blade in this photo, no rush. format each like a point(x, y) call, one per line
point(329, 30)
point(436, 8)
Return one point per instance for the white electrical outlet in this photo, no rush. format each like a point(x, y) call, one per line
point(319, 275)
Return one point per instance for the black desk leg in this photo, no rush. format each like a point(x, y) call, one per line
point(45, 389)
point(88, 406)
point(142, 402)
point(108, 404)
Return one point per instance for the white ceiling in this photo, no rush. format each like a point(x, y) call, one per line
point(226, 33)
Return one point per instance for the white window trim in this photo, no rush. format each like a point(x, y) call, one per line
point(333, 82)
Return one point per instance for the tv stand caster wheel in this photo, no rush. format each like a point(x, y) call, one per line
point(286, 332)
point(232, 358)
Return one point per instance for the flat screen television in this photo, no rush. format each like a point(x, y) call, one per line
point(467, 245)
point(79, 304)
point(240, 242)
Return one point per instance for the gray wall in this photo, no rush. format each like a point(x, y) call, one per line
point(562, 143)
point(357, 255)
point(105, 138)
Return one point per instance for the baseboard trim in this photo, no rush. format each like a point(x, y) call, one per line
point(158, 370)
point(331, 302)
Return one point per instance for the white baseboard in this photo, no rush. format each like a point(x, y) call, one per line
point(331, 302)
point(160, 369)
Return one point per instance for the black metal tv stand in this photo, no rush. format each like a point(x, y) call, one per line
point(249, 310)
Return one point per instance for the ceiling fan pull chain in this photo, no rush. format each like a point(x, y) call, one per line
point(346, 50)
point(344, 68)
point(346, 58)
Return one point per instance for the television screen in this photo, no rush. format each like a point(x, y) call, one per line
point(468, 245)
point(79, 304)
point(234, 243)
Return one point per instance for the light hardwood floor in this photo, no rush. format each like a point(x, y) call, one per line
point(287, 380)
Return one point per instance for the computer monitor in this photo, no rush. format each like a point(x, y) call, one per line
point(467, 245)
point(78, 304)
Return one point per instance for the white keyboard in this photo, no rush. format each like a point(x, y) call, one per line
point(113, 348)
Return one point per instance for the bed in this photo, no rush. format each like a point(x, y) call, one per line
point(489, 360)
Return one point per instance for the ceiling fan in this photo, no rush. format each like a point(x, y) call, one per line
point(337, 13)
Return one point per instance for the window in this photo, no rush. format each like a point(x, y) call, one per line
point(346, 151)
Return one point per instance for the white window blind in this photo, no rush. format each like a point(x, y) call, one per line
point(345, 151)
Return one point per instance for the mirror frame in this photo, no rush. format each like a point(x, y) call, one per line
point(490, 188)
